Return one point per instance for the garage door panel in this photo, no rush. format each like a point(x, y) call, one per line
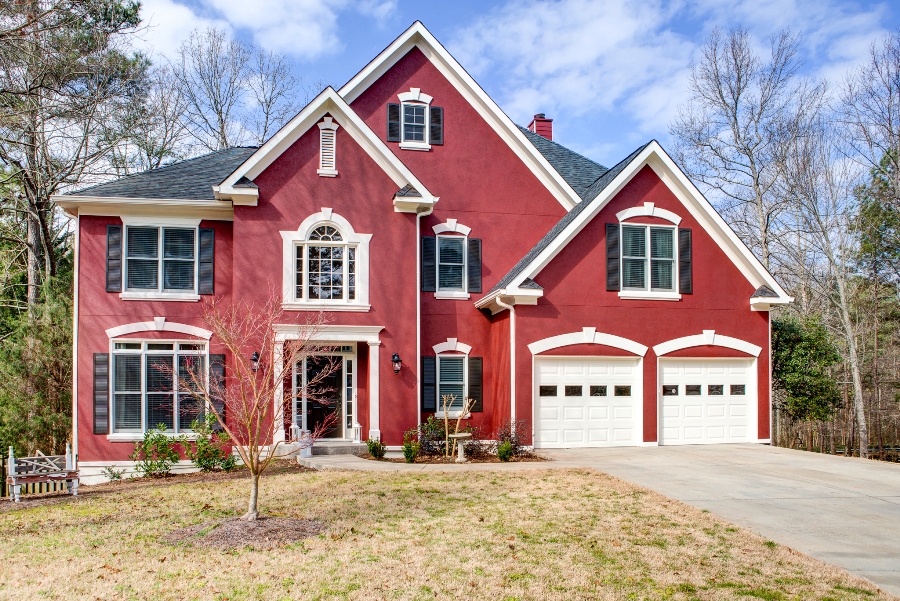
point(706, 400)
point(577, 404)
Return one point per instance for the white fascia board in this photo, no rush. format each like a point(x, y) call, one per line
point(418, 36)
point(150, 207)
point(331, 103)
point(657, 159)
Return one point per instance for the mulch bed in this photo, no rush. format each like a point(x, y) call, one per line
point(236, 533)
point(95, 490)
point(442, 459)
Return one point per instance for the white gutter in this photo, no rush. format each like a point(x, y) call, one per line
point(512, 359)
point(419, 313)
point(75, 346)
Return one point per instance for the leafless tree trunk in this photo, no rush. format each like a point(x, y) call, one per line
point(731, 136)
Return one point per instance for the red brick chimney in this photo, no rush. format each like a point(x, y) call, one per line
point(541, 126)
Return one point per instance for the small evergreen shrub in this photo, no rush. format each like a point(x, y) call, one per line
point(112, 473)
point(431, 436)
point(155, 455)
point(377, 449)
point(505, 451)
point(410, 446)
point(211, 451)
point(515, 434)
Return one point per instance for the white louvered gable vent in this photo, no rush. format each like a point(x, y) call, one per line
point(327, 147)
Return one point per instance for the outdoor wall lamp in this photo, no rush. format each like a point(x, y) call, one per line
point(397, 363)
point(254, 361)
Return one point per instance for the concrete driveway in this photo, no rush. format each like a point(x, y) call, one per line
point(843, 511)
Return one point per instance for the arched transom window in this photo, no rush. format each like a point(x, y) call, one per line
point(326, 266)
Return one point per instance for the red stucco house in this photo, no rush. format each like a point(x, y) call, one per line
point(601, 305)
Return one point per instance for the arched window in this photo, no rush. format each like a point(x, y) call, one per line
point(326, 267)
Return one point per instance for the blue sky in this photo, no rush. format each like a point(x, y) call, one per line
point(611, 73)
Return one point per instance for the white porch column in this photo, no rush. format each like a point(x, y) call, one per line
point(278, 414)
point(374, 406)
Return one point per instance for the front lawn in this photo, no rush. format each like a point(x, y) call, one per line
point(542, 535)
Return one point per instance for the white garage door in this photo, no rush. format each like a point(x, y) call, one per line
point(587, 402)
point(705, 401)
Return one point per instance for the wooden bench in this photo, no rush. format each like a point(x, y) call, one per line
point(43, 468)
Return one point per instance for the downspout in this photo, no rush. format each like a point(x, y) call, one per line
point(512, 359)
point(75, 346)
point(418, 367)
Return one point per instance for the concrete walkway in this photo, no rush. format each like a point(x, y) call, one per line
point(842, 511)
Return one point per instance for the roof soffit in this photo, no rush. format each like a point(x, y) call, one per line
point(419, 37)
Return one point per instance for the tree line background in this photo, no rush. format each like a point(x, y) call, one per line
point(805, 170)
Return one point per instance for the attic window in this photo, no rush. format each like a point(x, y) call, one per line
point(414, 122)
point(327, 147)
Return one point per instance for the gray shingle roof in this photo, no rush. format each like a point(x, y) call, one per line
point(408, 190)
point(764, 292)
point(191, 179)
point(591, 193)
point(580, 172)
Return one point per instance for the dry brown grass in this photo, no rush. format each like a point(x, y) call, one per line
point(542, 535)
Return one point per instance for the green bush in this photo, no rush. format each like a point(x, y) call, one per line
point(411, 446)
point(211, 451)
point(505, 450)
point(376, 448)
point(155, 455)
point(431, 436)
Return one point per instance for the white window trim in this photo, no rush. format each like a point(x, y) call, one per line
point(114, 436)
point(327, 124)
point(141, 294)
point(290, 241)
point(647, 293)
point(648, 210)
point(452, 348)
point(463, 294)
point(415, 96)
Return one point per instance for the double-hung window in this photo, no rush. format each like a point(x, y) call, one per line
point(451, 264)
point(325, 267)
point(161, 259)
point(414, 129)
point(415, 122)
point(155, 382)
point(648, 258)
point(451, 381)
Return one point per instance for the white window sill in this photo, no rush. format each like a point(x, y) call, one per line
point(649, 295)
point(138, 436)
point(452, 415)
point(452, 295)
point(414, 146)
point(327, 172)
point(189, 297)
point(298, 306)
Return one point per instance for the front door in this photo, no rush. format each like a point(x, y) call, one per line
point(328, 399)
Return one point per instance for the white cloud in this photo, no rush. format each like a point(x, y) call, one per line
point(380, 10)
point(168, 23)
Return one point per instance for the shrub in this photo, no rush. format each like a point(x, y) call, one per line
point(514, 433)
point(431, 436)
point(211, 451)
point(476, 447)
point(112, 473)
point(155, 455)
point(410, 446)
point(377, 449)
point(505, 450)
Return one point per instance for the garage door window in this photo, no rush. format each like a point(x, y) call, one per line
point(738, 389)
point(573, 390)
point(623, 390)
point(547, 391)
point(715, 390)
point(670, 390)
point(598, 390)
point(693, 389)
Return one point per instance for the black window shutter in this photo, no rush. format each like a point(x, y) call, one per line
point(476, 379)
point(474, 274)
point(114, 258)
point(393, 123)
point(612, 256)
point(685, 280)
point(429, 383)
point(429, 266)
point(436, 130)
point(216, 386)
point(101, 393)
point(207, 273)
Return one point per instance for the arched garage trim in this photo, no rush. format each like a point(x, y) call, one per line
point(159, 324)
point(707, 338)
point(587, 336)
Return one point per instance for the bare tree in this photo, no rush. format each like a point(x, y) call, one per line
point(243, 401)
point(157, 131)
point(822, 184)
point(731, 136)
point(870, 111)
point(66, 77)
point(272, 88)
